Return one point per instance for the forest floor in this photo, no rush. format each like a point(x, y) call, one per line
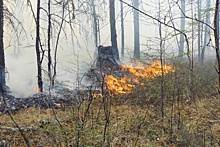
point(190, 116)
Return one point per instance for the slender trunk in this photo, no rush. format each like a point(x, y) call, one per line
point(113, 30)
point(199, 27)
point(95, 27)
point(217, 40)
point(217, 22)
point(2, 54)
point(207, 31)
point(48, 42)
point(39, 71)
point(136, 31)
point(57, 43)
point(70, 23)
point(161, 62)
point(182, 28)
point(122, 32)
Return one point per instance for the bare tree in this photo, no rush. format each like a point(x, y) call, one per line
point(207, 31)
point(199, 27)
point(2, 55)
point(161, 62)
point(95, 27)
point(113, 30)
point(48, 41)
point(122, 31)
point(39, 61)
point(182, 27)
point(136, 31)
point(216, 34)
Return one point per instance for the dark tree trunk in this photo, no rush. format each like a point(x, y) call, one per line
point(48, 43)
point(216, 34)
point(2, 55)
point(39, 71)
point(113, 30)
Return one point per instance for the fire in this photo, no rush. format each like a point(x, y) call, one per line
point(119, 86)
point(125, 84)
point(38, 90)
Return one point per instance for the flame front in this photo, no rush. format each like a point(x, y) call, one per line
point(38, 90)
point(125, 84)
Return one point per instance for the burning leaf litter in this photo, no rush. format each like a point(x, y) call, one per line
point(125, 84)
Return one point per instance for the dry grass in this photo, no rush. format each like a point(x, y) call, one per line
point(129, 126)
point(192, 117)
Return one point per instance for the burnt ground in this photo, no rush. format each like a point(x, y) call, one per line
point(61, 99)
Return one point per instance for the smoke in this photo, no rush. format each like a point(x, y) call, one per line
point(22, 69)
point(21, 77)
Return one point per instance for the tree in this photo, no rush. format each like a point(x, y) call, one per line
point(207, 31)
point(216, 35)
point(49, 66)
point(39, 61)
point(122, 31)
point(182, 28)
point(113, 30)
point(95, 24)
point(136, 31)
point(2, 55)
point(199, 27)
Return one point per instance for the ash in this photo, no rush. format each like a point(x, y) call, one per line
point(58, 98)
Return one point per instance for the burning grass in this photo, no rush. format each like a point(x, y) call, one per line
point(137, 73)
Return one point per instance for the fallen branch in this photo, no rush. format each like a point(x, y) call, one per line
point(26, 129)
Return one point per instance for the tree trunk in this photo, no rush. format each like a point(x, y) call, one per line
point(199, 28)
point(2, 55)
point(161, 62)
point(216, 35)
point(182, 28)
point(39, 71)
point(57, 42)
point(122, 32)
point(113, 30)
point(207, 30)
point(136, 31)
point(95, 27)
point(48, 42)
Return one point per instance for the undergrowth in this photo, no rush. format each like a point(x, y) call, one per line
point(191, 116)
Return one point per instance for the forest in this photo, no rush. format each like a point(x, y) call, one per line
point(104, 73)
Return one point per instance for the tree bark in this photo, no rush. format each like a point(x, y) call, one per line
point(2, 54)
point(216, 35)
point(122, 31)
point(48, 43)
point(95, 27)
point(113, 30)
point(199, 28)
point(207, 30)
point(136, 31)
point(39, 71)
point(182, 28)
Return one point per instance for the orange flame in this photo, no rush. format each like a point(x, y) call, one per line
point(38, 90)
point(126, 84)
